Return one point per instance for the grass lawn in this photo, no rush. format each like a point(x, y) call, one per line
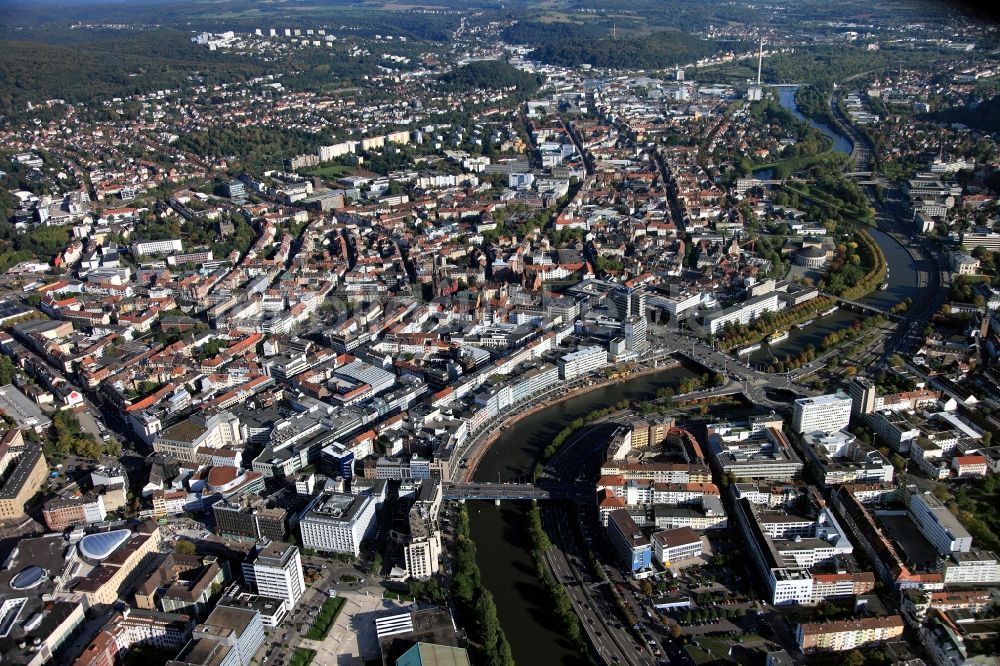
point(707, 650)
point(302, 657)
point(331, 171)
point(975, 505)
point(325, 619)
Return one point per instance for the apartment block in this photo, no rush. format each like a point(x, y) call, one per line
point(842, 635)
point(581, 362)
point(23, 470)
point(60, 513)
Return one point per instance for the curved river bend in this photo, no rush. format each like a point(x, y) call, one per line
point(503, 548)
point(902, 270)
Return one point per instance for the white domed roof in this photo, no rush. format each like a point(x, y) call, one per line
point(98, 546)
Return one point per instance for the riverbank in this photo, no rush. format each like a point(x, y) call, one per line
point(562, 605)
point(475, 602)
point(501, 533)
point(477, 449)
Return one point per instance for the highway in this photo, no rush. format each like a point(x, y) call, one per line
point(752, 383)
point(592, 599)
point(893, 216)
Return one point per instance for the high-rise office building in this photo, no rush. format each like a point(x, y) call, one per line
point(274, 569)
point(629, 302)
point(827, 413)
point(863, 394)
point(335, 522)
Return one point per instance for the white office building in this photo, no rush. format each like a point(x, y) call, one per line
point(826, 413)
point(143, 248)
point(582, 361)
point(235, 634)
point(274, 569)
point(337, 522)
point(422, 542)
point(742, 313)
point(939, 525)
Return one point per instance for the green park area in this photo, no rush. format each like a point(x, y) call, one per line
point(302, 657)
point(327, 616)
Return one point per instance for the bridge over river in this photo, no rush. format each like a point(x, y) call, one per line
point(507, 491)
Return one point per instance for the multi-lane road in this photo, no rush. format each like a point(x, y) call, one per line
point(572, 533)
point(894, 217)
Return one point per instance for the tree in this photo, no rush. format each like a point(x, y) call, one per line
point(6, 370)
point(676, 631)
point(185, 548)
point(854, 658)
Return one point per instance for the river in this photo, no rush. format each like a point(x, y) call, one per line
point(902, 270)
point(501, 533)
point(786, 97)
point(902, 285)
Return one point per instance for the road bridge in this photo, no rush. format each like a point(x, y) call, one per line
point(506, 491)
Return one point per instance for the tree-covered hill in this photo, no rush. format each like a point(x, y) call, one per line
point(657, 50)
point(490, 75)
point(35, 71)
point(984, 117)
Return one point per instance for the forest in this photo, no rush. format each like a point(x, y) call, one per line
point(821, 65)
point(238, 15)
point(490, 75)
point(654, 51)
point(134, 64)
point(537, 32)
point(813, 101)
point(253, 145)
point(984, 116)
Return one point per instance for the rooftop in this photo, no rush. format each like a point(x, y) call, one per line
point(228, 619)
point(340, 507)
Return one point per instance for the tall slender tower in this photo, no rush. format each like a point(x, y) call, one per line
point(760, 59)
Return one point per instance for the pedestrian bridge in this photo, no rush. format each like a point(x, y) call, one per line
point(866, 308)
point(506, 491)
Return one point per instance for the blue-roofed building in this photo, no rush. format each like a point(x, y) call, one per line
point(28, 578)
point(338, 460)
point(37, 627)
